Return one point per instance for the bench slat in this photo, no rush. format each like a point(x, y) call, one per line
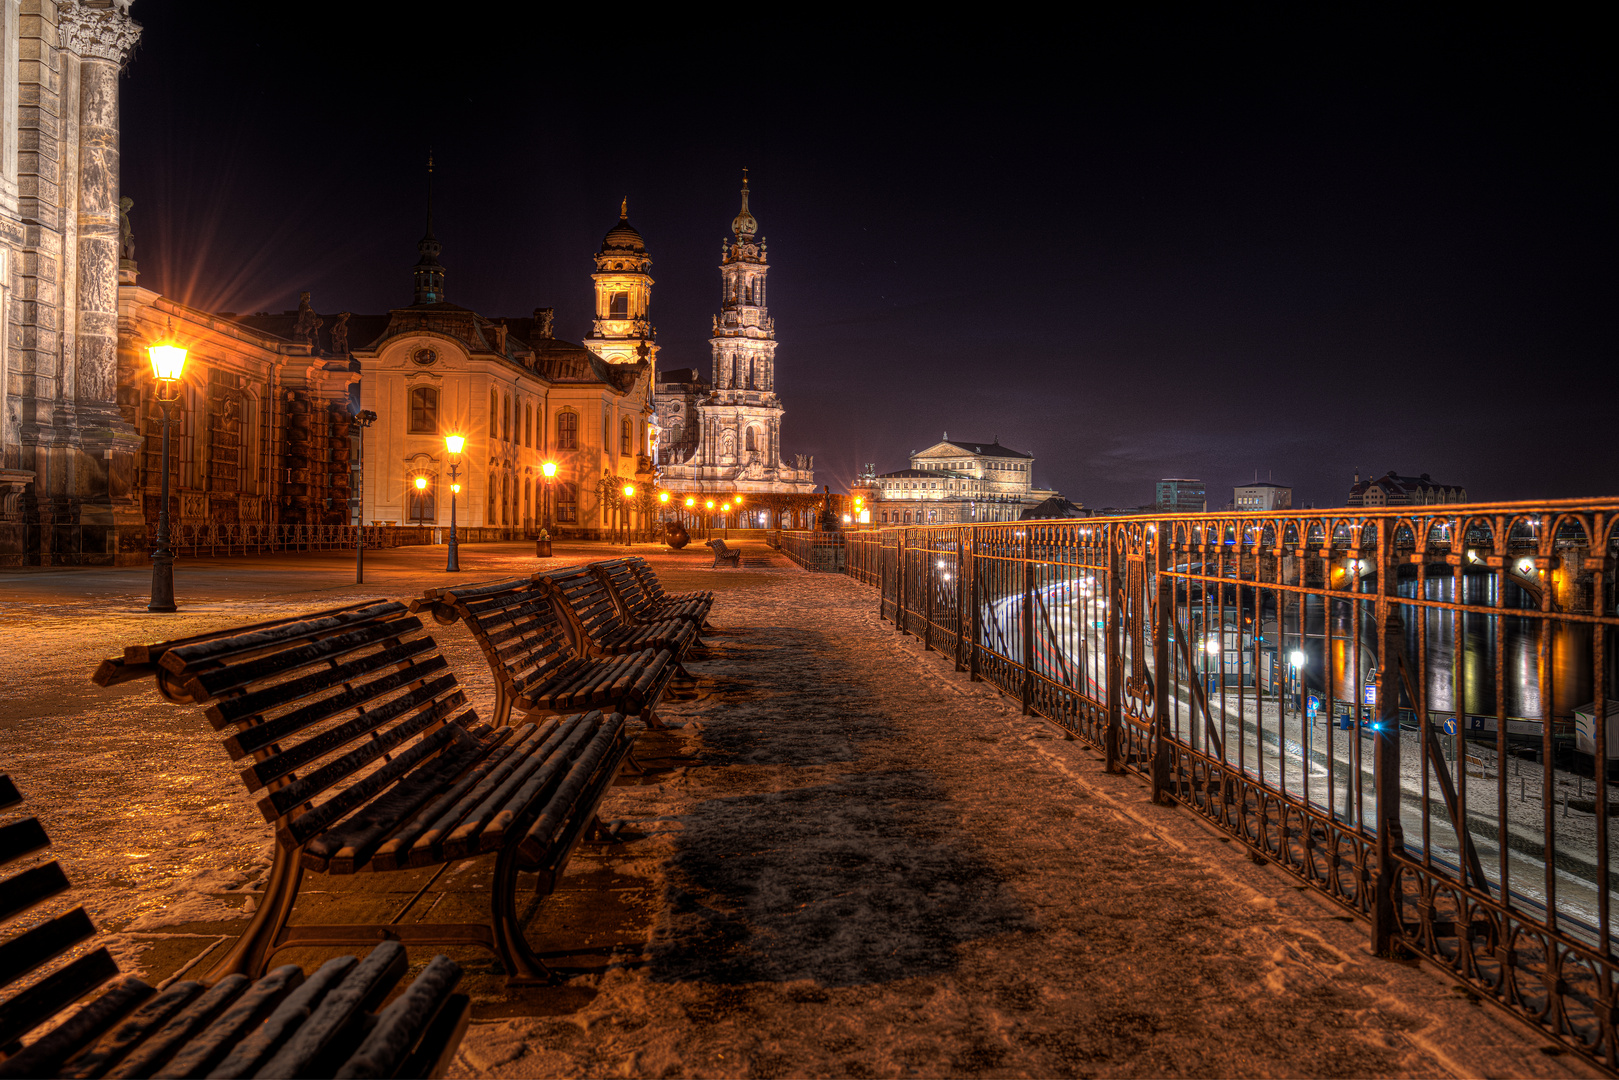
point(29, 950)
point(420, 841)
point(332, 810)
point(185, 1023)
point(199, 1055)
point(404, 1022)
point(178, 658)
point(21, 1014)
point(9, 796)
point(246, 1056)
point(22, 891)
point(514, 788)
point(44, 1056)
point(111, 1047)
point(543, 832)
point(361, 991)
point(257, 775)
point(238, 709)
point(21, 838)
point(210, 683)
point(346, 848)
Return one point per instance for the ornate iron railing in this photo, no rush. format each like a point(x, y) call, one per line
point(821, 552)
point(214, 538)
point(1390, 704)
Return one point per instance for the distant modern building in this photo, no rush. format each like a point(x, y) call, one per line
point(956, 482)
point(1392, 489)
point(1179, 495)
point(1261, 495)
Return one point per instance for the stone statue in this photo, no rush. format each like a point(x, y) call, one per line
point(308, 325)
point(829, 520)
point(340, 334)
point(126, 235)
point(547, 317)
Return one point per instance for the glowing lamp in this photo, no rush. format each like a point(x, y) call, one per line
point(690, 502)
point(726, 508)
point(456, 488)
point(1212, 647)
point(711, 504)
point(421, 483)
point(629, 491)
point(168, 360)
point(1297, 656)
point(453, 443)
point(663, 496)
point(846, 519)
point(737, 499)
point(549, 468)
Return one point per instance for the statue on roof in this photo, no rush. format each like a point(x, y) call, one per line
point(308, 325)
point(126, 235)
point(546, 317)
point(340, 334)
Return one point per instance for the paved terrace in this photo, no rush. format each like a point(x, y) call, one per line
point(849, 861)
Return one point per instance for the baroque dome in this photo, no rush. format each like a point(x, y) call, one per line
point(623, 237)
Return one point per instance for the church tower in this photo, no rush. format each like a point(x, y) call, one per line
point(748, 413)
point(429, 274)
point(621, 332)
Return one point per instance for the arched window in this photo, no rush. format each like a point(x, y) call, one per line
point(750, 444)
point(528, 425)
point(506, 419)
point(504, 516)
point(567, 503)
point(567, 430)
point(619, 306)
point(424, 411)
point(626, 437)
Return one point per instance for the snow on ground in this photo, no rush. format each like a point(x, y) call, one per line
point(867, 866)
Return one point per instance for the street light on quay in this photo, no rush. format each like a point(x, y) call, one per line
point(168, 362)
point(362, 420)
point(453, 443)
point(549, 468)
point(629, 493)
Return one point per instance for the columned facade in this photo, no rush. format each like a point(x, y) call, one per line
point(68, 489)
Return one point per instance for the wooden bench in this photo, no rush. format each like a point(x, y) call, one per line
point(351, 726)
point(533, 662)
point(723, 554)
point(598, 628)
point(639, 609)
point(284, 1024)
point(654, 588)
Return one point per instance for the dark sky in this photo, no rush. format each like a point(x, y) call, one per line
point(1187, 245)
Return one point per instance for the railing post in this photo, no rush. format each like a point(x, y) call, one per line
point(978, 602)
point(1028, 620)
point(927, 583)
point(1162, 720)
point(1113, 656)
point(961, 584)
point(1386, 744)
point(899, 583)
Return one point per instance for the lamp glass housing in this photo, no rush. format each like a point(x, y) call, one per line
point(168, 361)
point(421, 483)
point(549, 468)
point(453, 443)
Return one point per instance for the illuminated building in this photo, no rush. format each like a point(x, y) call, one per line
point(724, 433)
point(955, 482)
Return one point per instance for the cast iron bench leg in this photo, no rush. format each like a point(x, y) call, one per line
point(250, 956)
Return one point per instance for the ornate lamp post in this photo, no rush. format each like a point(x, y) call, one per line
point(708, 519)
point(453, 444)
point(725, 529)
point(549, 468)
point(362, 420)
point(691, 506)
point(168, 361)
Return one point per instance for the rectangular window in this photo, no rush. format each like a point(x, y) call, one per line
point(423, 411)
point(567, 503)
point(619, 306)
point(567, 431)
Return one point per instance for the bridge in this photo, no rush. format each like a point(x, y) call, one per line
point(1385, 703)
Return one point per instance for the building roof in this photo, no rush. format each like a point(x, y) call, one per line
point(1054, 507)
point(623, 236)
point(1262, 483)
point(1393, 481)
point(992, 449)
point(363, 329)
point(924, 474)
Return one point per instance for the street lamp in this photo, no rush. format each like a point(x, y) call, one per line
point(453, 444)
point(168, 361)
point(362, 420)
point(549, 468)
point(629, 493)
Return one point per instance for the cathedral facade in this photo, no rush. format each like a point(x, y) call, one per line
point(724, 433)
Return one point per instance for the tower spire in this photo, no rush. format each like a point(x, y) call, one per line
point(744, 225)
point(428, 273)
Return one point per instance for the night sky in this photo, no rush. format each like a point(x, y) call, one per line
point(1191, 245)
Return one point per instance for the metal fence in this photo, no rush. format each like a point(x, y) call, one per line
point(821, 552)
point(1409, 709)
point(211, 538)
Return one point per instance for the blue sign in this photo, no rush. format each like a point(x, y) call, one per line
point(1368, 694)
point(1450, 726)
point(1313, 704)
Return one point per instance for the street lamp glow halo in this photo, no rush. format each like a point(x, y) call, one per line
point(454, 443)
point(421, 483)
point(549, 468)
point(168, 361)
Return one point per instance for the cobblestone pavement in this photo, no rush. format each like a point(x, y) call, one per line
point(850, 861)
